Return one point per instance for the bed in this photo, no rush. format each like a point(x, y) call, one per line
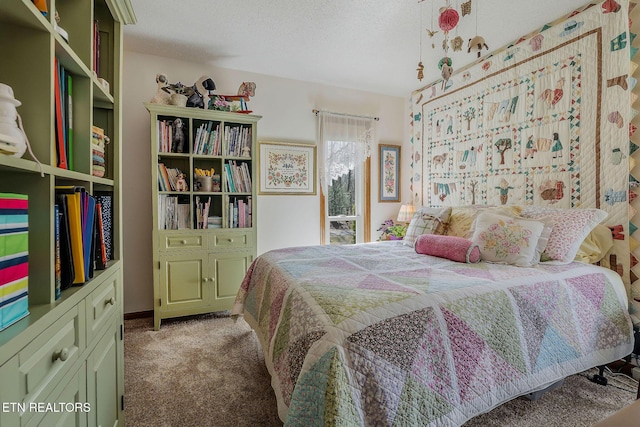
point(378, 334)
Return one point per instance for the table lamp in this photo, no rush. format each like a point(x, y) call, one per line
point(406, 213)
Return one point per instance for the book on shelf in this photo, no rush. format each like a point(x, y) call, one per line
point(202, 213)
point(57, 263)
point(96, 47)
point(74, 209)
point(238, 177)
point(168, 178)
point(80, 237)
point(207, 139)
point(61, 155)
point(69, 121)
point(88, 216)
point(238, 139)
point(14, 258)
point(63, 113)
point(101, 250)
point(172, 134)
point(239, 212)
point(214, 221)
point(64, 242)
point(106, 205)
point(172, 214)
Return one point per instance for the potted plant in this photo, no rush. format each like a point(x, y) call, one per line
point(392, 231)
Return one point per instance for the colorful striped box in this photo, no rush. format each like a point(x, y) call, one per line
point(14, 253)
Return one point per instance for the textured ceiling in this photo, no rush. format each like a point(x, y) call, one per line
point(370, 45)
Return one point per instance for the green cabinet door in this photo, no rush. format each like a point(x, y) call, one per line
point(227, 269)
point(103, 391)
point(184, 288)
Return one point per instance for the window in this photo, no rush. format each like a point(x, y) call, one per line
point(344, 143)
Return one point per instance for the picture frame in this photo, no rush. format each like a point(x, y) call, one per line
point(287, 168)
point(389, 173)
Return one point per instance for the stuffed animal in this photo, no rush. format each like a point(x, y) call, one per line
point(167, 93)
point(161, 96)
point(181, 182)
point(177, 145)
point(200, 89)
point(476, 44)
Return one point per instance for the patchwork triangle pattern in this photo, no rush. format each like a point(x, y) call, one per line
point(475, 361)
point(341, 303)
point(498, 327)
point(543, 307)
point(596, 326)
point(380, 382)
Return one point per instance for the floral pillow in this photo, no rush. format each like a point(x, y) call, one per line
point(570, 228)
point(426, 221)
point(509, 240)
point(462, 217)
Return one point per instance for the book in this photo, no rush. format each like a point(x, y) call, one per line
point(75, 197)
point(105, 200)
point(61, 156)
point(74, 210)
point(89, 210)
point(66, 260)
point(57, 263)
point(101, 251)
point(69, 144)
point(94, 238)
point(62, 75)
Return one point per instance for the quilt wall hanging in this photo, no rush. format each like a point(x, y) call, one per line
point(545, 121)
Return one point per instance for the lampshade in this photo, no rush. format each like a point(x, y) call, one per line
point(406, 213)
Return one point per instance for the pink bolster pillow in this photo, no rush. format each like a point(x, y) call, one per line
point(451, 247)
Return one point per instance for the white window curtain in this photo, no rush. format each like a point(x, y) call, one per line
point(342, 139)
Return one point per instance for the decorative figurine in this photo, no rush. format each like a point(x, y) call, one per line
point(181, 182)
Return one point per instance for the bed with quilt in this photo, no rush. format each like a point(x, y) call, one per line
point(388, 333)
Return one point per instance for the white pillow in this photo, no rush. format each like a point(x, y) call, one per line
point(508, 240)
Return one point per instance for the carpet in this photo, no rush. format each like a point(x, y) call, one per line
point(208, 370)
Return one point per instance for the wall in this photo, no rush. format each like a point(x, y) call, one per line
point(286, 108)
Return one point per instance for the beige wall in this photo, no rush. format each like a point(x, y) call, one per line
point(286, 108)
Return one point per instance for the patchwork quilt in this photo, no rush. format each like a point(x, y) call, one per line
point(545, 121)
point(376, 334)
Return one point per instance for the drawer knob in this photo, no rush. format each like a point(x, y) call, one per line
point(62, 355)
point(206, 279)
point(230, 240)
point(110, 301)
point(184, 242)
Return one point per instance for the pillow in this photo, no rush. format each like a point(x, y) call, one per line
point(570, 228)
point(462, 217)
point(509, 240)
point(426, 221)
point(594, 247)
point(451, 247)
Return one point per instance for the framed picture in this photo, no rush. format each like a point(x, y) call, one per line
point(287, 168)
point(389, 173)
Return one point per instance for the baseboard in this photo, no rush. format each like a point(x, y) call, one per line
point(138, 315)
